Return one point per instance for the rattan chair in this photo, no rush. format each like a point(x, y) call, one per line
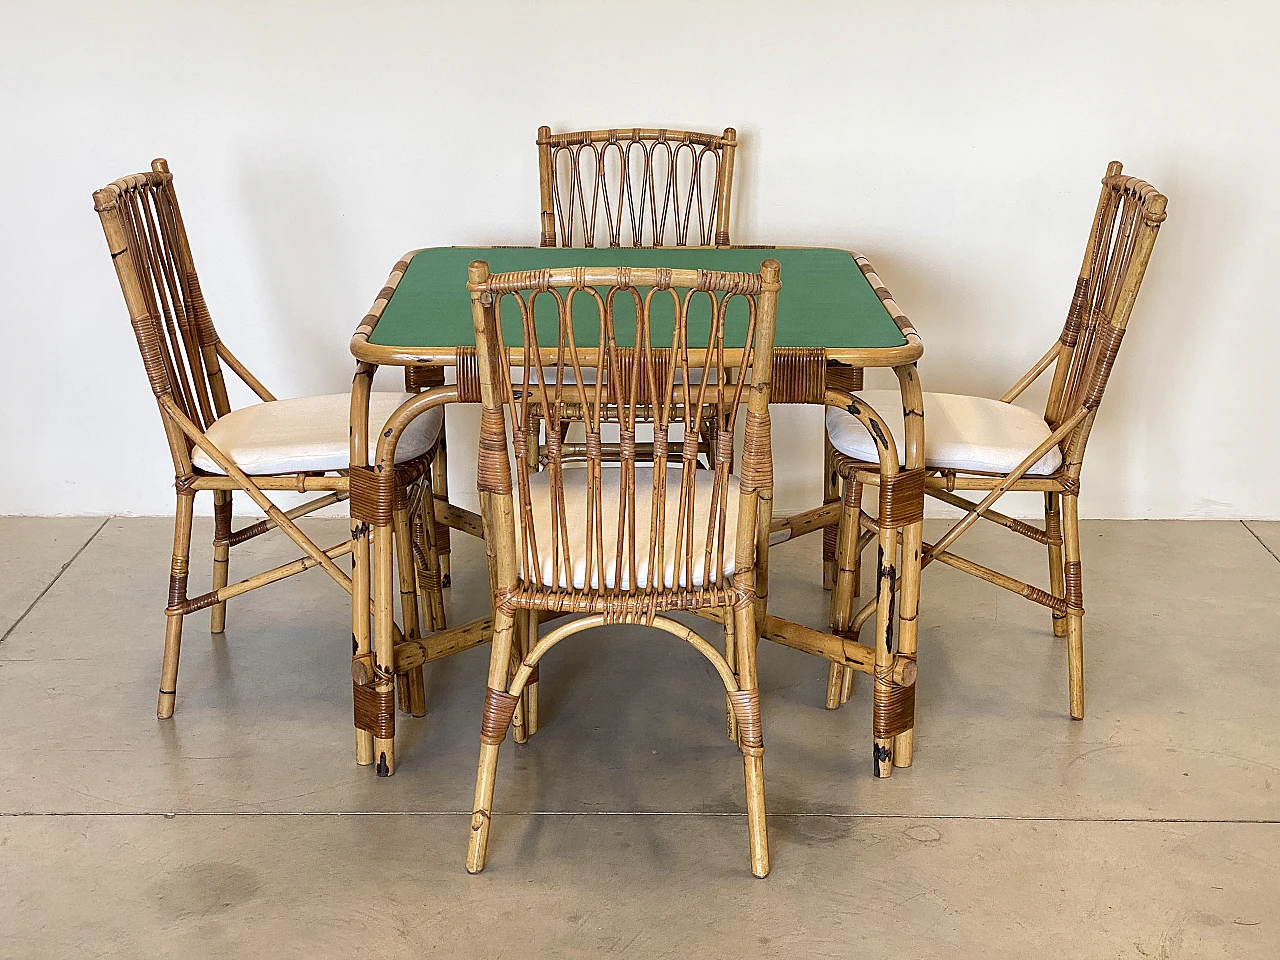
point(299, 445)
point(641, 187)
point(995, 446)
point(632, 543)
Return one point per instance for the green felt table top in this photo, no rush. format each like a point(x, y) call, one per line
point(825, 300)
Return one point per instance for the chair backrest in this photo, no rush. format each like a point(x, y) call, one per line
point(616, 338)
point(637, 187)
point(176, 336)
point(1124, 231)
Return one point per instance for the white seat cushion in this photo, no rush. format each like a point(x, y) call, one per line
point(960, 433)
point(575, 494)
point(310, 434)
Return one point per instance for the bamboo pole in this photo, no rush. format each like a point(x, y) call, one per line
point(361, 593)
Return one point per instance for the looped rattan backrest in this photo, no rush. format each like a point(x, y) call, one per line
point(1124, 231)
point(635, 187)
point(152, 256)
point(681, 350)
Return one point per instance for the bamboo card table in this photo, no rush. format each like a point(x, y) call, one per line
point(835, 317)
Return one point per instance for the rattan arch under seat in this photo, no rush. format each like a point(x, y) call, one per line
point(557, 544)
point(1007, 457)
point(183, 357)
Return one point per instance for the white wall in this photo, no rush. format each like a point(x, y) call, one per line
point(957, 145)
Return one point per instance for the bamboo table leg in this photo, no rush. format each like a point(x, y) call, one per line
point(360, 637)
point(912, 538)
point(383, 638)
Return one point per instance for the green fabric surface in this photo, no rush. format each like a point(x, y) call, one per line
point(825, 300)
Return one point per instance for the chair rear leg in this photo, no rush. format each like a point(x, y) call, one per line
point(440, 491)
point(1075, 603)
point(519, 647)
point(221, 556)
point(529, 698)
point(848, 564)
point(830, 494)
point(1053, 527)
point(427, 534)
point(846, 682)
point(409, 685)
point(177, 597)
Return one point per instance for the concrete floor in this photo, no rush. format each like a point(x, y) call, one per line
point(243, 828)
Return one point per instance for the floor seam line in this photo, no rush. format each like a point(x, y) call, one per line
point(1245, 524)
point(56, 577)
point(170, 815)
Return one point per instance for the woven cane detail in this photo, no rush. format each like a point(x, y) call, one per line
point(499, 708)
point(902, 498)
point(1075, 587)
point(421, 378)
point(746, 711)
point(1075, 315)
point(893, 705)
point(372, 495)
point(375, 710)
point(468, 373)
point(840, 377)
point(757, 458)
point(493, 469)
point(1109, 338)
point(798, 375)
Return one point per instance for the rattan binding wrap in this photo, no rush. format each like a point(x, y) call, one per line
point(895, 706)
point(746, 711)
point(373, 495)
point(499, 708)
point(902, 498)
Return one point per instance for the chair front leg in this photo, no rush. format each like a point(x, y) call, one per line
point(177, 598)
point(746, 704)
